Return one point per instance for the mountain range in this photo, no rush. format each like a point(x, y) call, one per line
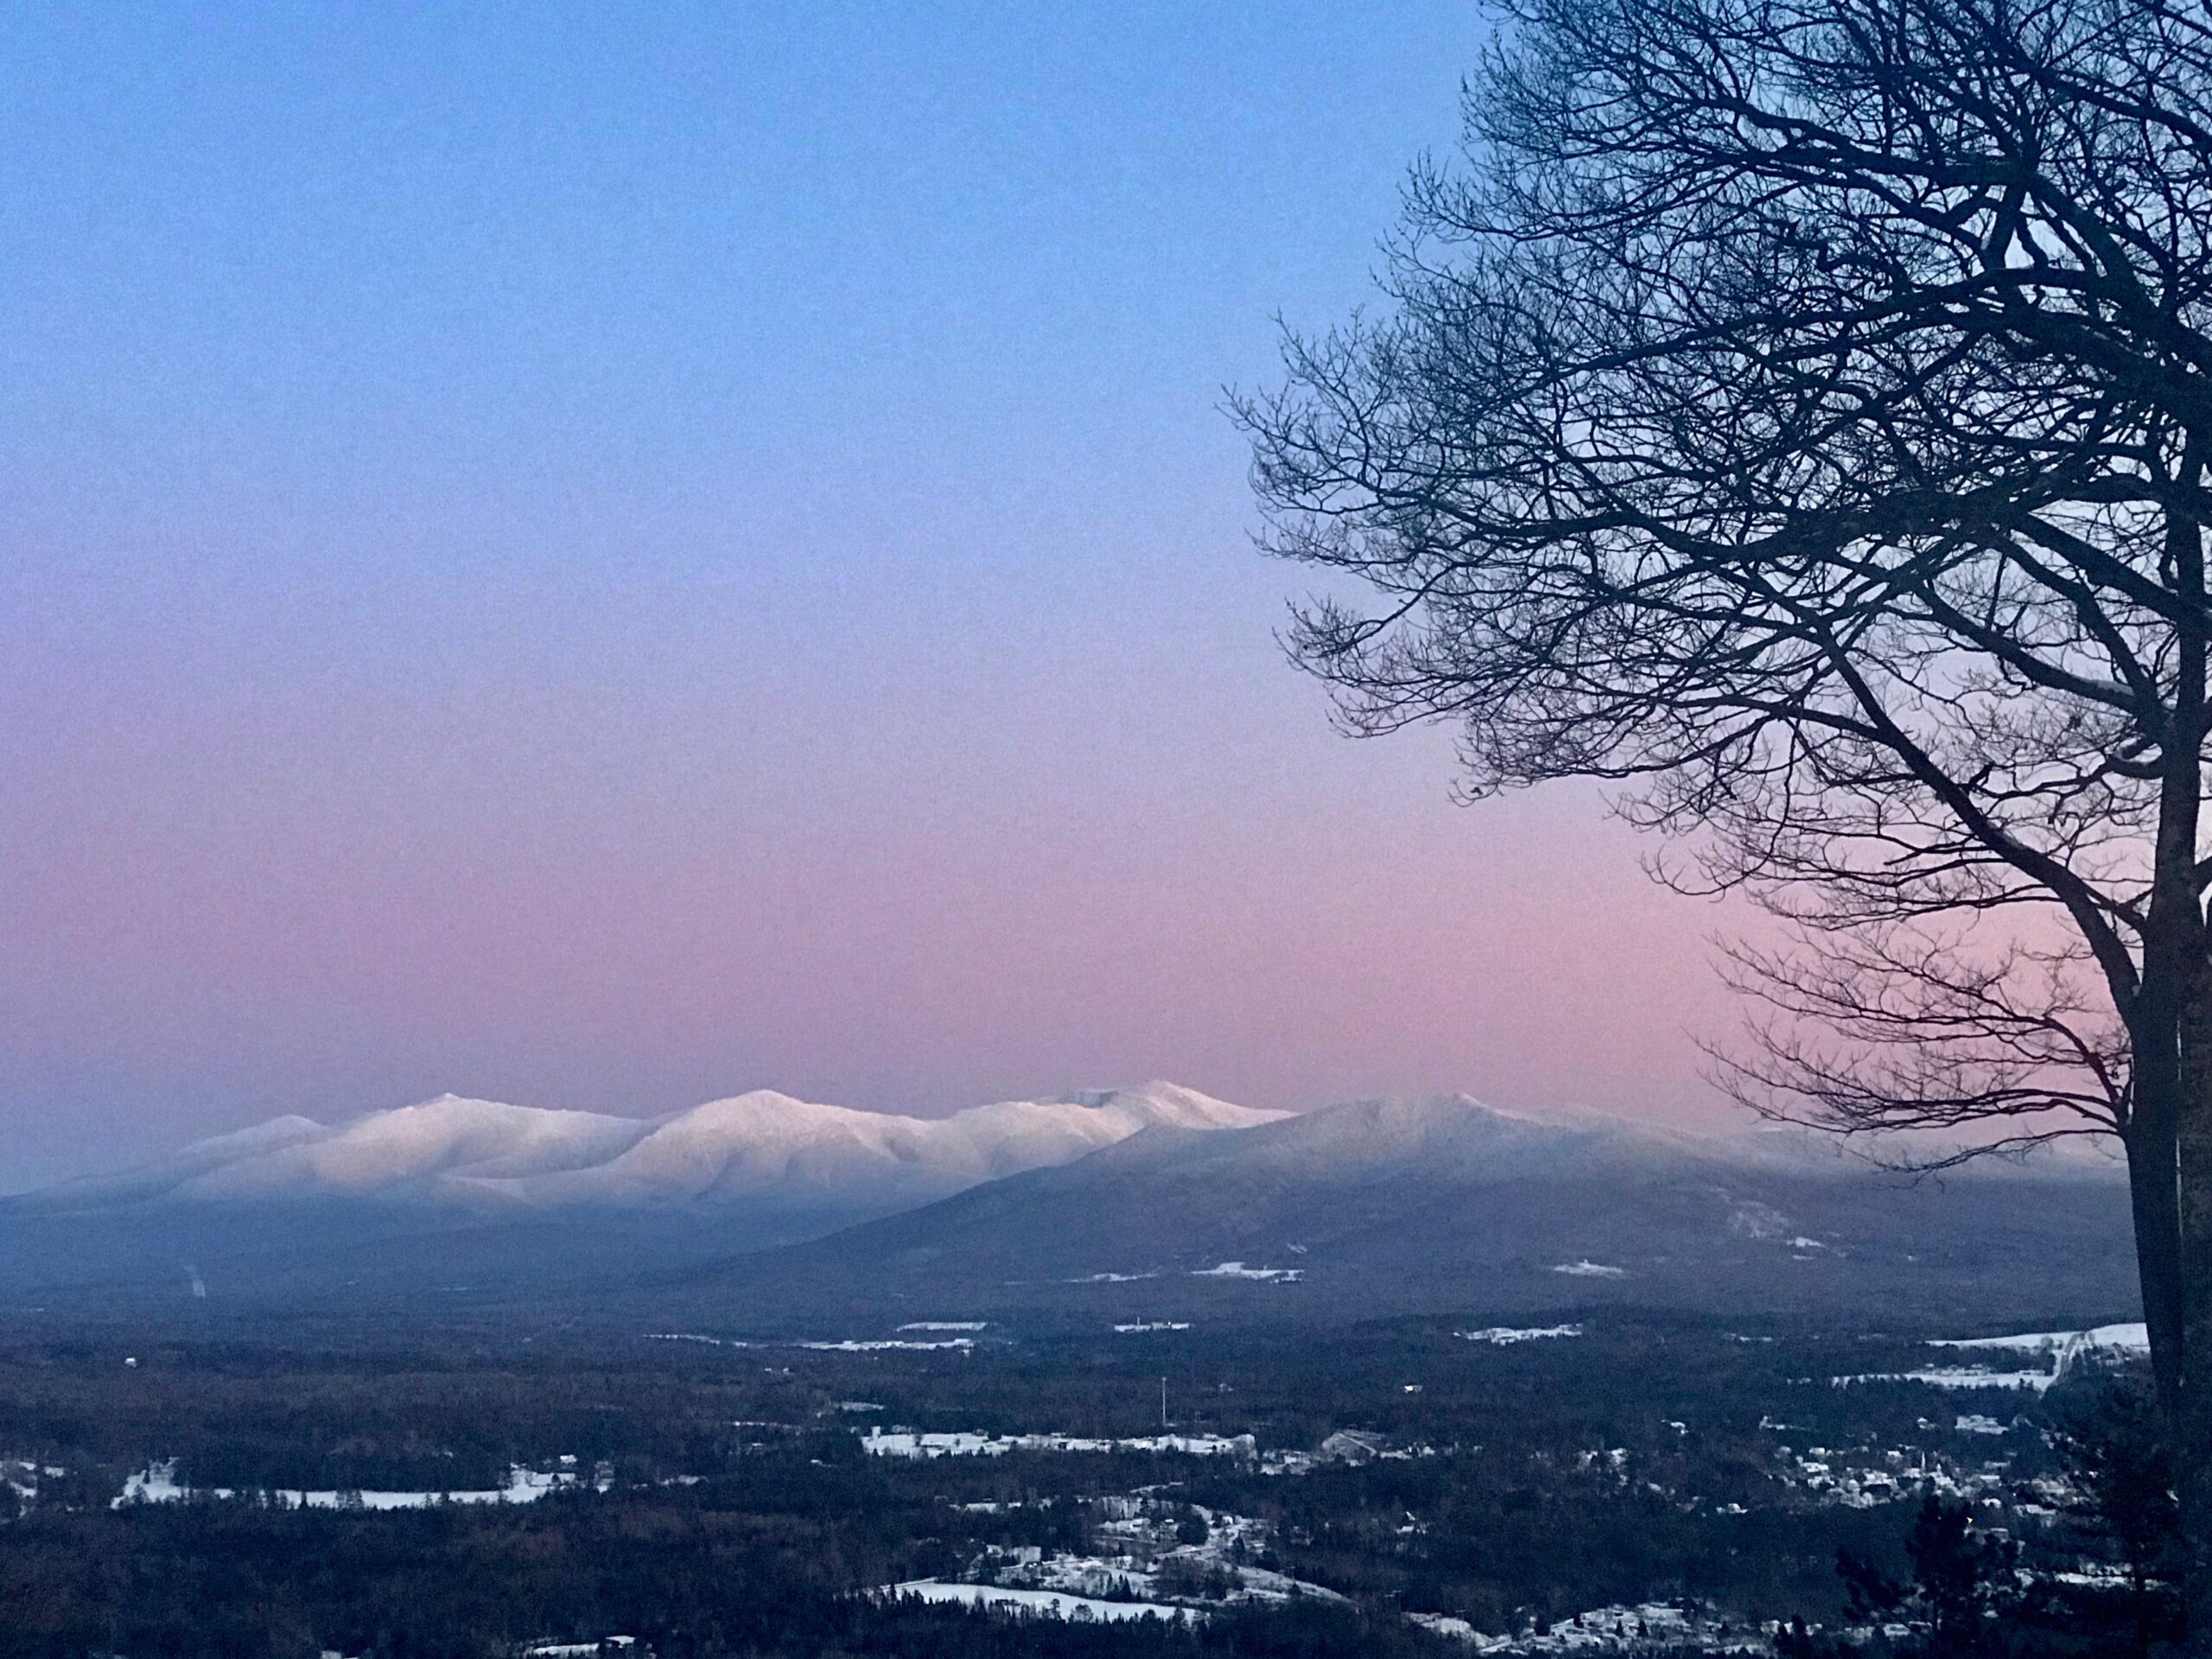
point(1442, 1204)
point(1146, 1205)
point(758, 1150)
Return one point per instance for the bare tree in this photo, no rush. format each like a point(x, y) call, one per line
point(1797, 413)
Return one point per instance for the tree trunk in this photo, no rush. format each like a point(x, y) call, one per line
point(2176, 992)
point(2154, 1193)
point(2189, 1409)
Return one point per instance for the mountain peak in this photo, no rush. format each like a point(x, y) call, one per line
point(1173, 1104)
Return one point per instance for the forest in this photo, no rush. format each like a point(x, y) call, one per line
point(1385, 1491)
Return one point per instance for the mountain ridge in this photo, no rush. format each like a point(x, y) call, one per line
point(764, 1212)
point(761, 1145)
point(1441, 1204)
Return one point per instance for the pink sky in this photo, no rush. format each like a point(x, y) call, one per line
point(614, 557)
point(628, 851)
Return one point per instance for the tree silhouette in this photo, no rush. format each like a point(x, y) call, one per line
point(1796, 413)
point(2117, 1465)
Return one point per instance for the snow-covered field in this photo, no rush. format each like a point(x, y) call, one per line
point(157, 1483)
point(1587, 1269)
point(885, 1344)
point(907, 1443)
point(2060, 1351)
point(1238, 1270)
point(1051, 1603)
point(1503, 1335)
point(1956, 1376)
point(2063, 1345)
point(845, 1344)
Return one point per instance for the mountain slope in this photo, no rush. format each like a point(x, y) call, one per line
point(457, 1192)
point(767, 1145)
point(1443, 1204)
point(764, 1213)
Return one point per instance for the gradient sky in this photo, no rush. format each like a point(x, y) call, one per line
point(604, 556)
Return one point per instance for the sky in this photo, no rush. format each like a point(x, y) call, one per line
point(605, 556)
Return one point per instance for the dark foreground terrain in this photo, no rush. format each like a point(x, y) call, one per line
point(1588, 1480)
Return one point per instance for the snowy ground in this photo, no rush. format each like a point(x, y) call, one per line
point(1142, 1568)
point(2059, 1350)
point(885, 1344)
point(1957, 1376)
point(2063, 1347)
point(1586, 1269)
point(1144, 1560)
point(1050, 1603)
point(22, 1474)
point(908, 1443)
point(924, 1344)
point(157, 1483)
point(1654, 1627)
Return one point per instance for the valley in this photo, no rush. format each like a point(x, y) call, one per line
point(1391, 1377)
point(1645, 1484)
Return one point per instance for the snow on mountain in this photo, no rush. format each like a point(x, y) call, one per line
point(1137, 1207)
point(156, 1180)
point(425, 1146)
point(1441, 1203)
point(766, 1144)
point(760, 1146)
point(1429, 1138)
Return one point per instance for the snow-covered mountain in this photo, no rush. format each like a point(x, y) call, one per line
point(1441, 1203)
point(765, 1212)
point(757, 1148)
